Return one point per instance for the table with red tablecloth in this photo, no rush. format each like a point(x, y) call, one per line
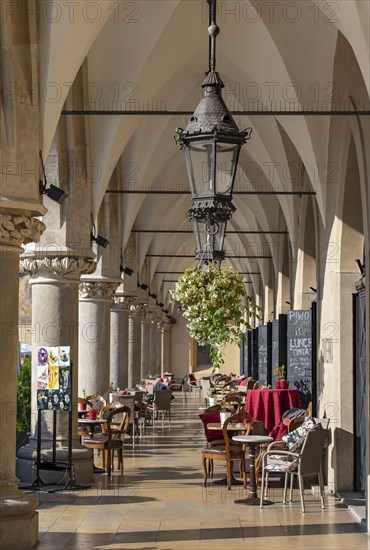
point(270, 405)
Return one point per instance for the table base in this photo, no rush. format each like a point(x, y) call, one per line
point(253, 501)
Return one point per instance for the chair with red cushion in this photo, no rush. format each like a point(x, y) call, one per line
point(229, 452)
point(112, 438)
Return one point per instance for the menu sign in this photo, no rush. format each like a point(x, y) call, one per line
point(275, 346)
point(299, 351)
point(54, 378)
point(262, 355)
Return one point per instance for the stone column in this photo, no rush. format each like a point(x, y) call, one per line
point(119, 340)
point(55, 284)
point(94, 342)
point(153, 346)
point(16, 509)
point(145, 346)
point(15, 230)
point(158, 362)
point(134, 345)
point(166, 335)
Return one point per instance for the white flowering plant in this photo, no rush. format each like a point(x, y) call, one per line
point(216, 306)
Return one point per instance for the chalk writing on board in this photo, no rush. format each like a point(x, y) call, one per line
point(299, 349)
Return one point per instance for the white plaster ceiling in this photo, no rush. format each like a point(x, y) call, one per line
point(153, 53)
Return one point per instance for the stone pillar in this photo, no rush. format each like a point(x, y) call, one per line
point(119, 340)
point(55, 322)
point(94, 342)
point(158, 363)
point(134, 345)
point(153, 347)
point(166, 335)
point(15, 230)
point(145, 346)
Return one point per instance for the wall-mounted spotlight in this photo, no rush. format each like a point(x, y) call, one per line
point(288, 303)
point(360, 266)
point(53, 192)
point(99, 240)
point(166, 311)
point(127, 270)
point(160, 304)
point(154, 296)
point(313, 289)
point(142, 285)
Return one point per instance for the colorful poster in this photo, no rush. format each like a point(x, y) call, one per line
point(42, 377)
point(54, 378)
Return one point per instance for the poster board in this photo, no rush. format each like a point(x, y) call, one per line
point(262, 355)
point(54, 378)
point(299, 353)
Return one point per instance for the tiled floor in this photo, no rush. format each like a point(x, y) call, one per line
point(161, 503)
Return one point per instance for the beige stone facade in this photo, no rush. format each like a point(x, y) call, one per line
point(307, 175)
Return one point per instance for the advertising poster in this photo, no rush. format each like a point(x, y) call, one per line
point(54, 378)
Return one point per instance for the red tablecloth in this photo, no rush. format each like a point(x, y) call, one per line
point(270, 405)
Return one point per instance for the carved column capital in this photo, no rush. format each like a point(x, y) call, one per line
point(16, 230)
point(58, 268)
point(98, 290)
point(138, 308)
point(124, 302)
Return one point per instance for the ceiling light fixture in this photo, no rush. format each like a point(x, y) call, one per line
point(53, 192)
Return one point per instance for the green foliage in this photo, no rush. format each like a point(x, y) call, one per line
point(280, 372)
point(24, 398)
point(212, 303)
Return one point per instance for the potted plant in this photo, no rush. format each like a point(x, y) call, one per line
point(214, 302)
point(212, 396)
point(224, 411)
point(82, 406)
point(280, 377)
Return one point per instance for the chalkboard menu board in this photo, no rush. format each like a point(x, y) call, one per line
point(299, 353)
point(245, 355)
point(262, 354)
point(275, 347)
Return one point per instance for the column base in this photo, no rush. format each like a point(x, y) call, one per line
point(19, 523)
point(81, 460)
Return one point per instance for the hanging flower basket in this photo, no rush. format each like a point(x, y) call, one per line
point(217, 309)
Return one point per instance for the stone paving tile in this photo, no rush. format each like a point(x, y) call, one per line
point(161, 503)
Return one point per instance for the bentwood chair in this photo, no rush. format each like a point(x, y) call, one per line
point(229, 451)
point(112, 438)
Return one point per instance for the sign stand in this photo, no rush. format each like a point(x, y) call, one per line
point(53, 464)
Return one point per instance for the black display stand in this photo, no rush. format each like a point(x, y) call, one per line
point(54, 465)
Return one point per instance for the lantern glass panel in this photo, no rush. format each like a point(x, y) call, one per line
point(226, 164)
point(209, 237)
point(200, 161)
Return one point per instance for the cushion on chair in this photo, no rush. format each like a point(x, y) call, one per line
point(278, 432)
point(211, 418)
point(296, 438)
point(284, 466)
point(235, 452)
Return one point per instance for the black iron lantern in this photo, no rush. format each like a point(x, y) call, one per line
point(211, 142)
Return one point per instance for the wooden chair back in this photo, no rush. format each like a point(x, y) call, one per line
point(235, 419)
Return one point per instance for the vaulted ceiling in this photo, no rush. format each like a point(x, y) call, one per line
point(152, 54)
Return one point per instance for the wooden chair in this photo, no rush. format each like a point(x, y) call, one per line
point(234, 401)
point(306, 462)
point(112, 438)
point(228, 452)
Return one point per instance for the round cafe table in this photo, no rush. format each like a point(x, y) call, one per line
point(251, 442)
